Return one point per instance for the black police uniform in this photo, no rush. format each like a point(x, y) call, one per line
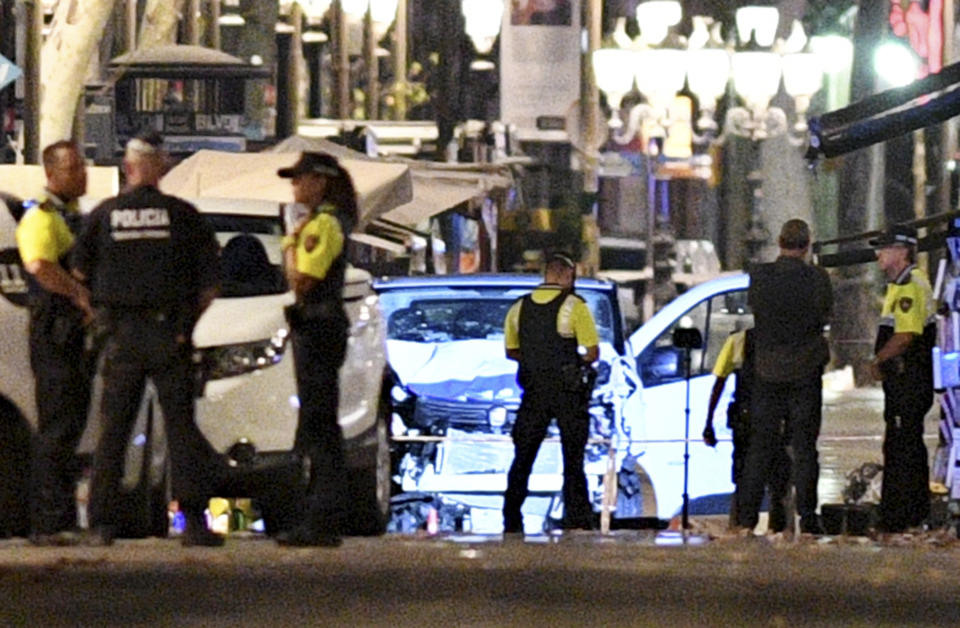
point(63, 372)
point(319, 328)
point(548, 369)
point(908, 395)
point(738, 420)
point(148, 257)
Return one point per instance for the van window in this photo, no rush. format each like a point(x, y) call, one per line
point(250, 254)
point(715, 318)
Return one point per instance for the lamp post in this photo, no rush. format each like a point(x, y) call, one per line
point(710, 66)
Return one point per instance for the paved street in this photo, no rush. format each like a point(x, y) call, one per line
point(627, 578)
point(415, 581)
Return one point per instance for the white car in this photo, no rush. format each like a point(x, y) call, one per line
point(247, 402)
point(457, 397)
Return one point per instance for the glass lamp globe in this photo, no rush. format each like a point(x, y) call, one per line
point(761, 22)
point(656, 17)
point(756, 76)
point(613, 68)
point(483, 19)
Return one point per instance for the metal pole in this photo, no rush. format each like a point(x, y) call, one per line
point(373, 66)
point(191, 26)
point(341, 61)
point(294, 64)
point(948, 137)
point(685, 519)
point(400, 62)
point(590, 123)
point(130, 25)
point(33, 17)
point(213, 25)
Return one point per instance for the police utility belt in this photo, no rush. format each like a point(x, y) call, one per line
point(299, 313)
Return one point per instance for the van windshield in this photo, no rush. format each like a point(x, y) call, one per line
point(250, 254)
point(442, 314)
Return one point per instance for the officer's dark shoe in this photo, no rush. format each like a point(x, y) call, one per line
point(304, 536)
point(512, 523)
point(100, 536)
point(810, 524)
point(62, 538)
point(198, 535)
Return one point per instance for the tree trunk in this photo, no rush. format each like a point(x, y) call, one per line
point(159, 25)
point(861, 204)
point(76, 30)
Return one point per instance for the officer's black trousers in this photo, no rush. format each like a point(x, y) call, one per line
point(319, 348)
point(778, 482)
point(138, 348)
point(539, 405)
point(905, 493)
point(778, 409)
point(63, 374)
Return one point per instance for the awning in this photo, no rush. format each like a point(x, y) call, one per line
point(397, 248)
point(215, 174)
point(177, 61)
point(437, 186)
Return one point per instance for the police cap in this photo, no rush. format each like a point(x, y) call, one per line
point(309, 162)
point(895, 235)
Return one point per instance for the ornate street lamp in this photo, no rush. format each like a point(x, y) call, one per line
point(754, 70)
point(483, 19)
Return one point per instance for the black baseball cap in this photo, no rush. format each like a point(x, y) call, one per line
point(317, 163)
point(895, 235)
point(564, 258)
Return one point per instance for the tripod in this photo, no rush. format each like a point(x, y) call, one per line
point(686, 338)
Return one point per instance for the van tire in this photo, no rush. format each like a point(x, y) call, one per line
point(15, 459)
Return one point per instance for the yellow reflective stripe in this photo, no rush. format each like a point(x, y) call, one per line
point(511, 327)
point(319, 244)
point(731, 355)
point(916, 295)
point(582, 323)
point(43, 235)
point(573, 320)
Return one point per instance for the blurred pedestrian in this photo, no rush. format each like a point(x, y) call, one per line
point(544, 332)
point(903, 362)
point(152, 263)
point(63, 370)
point(736, 358)
point(791, 302)
point(315, 263)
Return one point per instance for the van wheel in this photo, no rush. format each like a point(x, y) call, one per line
point(370, 486)
point(15, 443)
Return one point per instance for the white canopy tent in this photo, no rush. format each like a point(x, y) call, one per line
point(437, 186)
point(215, 174)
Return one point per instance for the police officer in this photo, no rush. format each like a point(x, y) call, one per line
point(905, 339)
point(315, 264)
point(543, 332)
point(736, 358)
point(59, 305)
point(152, 263)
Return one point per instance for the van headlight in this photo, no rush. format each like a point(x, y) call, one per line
point(497, 417)
point(232, 360)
